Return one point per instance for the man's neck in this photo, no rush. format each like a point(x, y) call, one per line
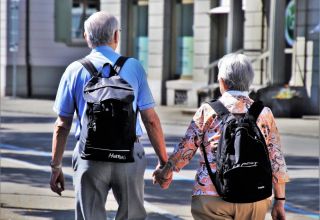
point(112, 46)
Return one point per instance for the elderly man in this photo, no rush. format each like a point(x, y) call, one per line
point(235, 76)
point(94, 179)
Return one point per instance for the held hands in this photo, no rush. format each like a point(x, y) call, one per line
point(163, 176)
point(57, 180)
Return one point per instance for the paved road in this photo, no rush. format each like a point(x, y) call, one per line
point(25, 153)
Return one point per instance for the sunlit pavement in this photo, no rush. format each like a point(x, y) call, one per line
point(26, 131)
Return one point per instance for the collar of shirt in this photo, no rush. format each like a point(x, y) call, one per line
point(107, 51)
point(237, 102)
point(236, 93)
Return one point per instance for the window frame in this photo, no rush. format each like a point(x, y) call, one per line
point(63, 16)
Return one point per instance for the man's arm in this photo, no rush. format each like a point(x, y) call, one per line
point(59, 140)
point(278, 212)
point(152, 124)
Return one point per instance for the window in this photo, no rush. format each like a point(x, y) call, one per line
point(69, 18)
point(178, 35)
point(136, 21)
point(184, 43)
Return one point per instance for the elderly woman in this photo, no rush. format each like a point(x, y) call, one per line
point(235, 77)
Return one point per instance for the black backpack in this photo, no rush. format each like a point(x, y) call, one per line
point(108, 131)
point(243, 168)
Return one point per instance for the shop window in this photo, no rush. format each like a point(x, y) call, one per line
point(138, 45)
point(184, 44)
point(180, 97)
point(69, 18)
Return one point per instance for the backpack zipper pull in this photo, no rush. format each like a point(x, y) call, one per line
point(112, 109)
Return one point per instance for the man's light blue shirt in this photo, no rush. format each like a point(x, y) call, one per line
point(70, 91)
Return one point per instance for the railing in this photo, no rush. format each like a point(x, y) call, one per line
point(212, 68)
point(265, 78)
point(211, 90)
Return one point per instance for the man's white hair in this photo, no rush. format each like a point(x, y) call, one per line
point(236, 70)
point(100, 28)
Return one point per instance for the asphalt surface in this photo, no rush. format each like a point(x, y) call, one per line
point(25, 144)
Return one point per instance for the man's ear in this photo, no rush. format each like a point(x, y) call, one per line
point(85, 35)
point(116, 37)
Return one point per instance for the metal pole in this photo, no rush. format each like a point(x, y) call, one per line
point(277, 42)
point(28, 64)
point(14, 41)
point(14, 74)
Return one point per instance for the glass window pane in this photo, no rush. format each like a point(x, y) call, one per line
point(81, 10)
point(140, 33)
point(184, 44)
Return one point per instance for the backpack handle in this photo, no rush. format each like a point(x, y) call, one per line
point(115, 69)
point(119, 63)
point(254, 110)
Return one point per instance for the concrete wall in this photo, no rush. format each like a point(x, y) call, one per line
point(44, 50)
point(111, 6)
point(254, 33)
point(201, 58)
point(156, 44)
point(3, 46)
point(114, 7)
point(47, 56)
point(44, 84)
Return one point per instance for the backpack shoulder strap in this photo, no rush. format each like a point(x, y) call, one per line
point(218, 107)
point(255, 109)
point(89, 66)
point(119, 63)
point(211, 174)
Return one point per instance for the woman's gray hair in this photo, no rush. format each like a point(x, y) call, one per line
point(100, 28)
point(236, 71)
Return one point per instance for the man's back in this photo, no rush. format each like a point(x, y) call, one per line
point(76, 76)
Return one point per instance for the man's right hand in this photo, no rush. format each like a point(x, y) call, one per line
point(57, 181)
point(163, 177)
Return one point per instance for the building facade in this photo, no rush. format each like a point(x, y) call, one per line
point(179, 43)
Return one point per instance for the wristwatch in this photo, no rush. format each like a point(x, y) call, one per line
point(280, 198)
point(55, 166)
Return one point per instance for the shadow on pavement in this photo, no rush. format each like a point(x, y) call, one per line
point(27, 119)
point(303, 193)
point(179, 193)
point(302, 160)
point(30, 177)
point(40, 141)
point(47, 213)
point(69, 214)
point(41, 160)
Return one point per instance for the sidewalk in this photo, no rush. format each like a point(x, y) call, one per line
point(306, 126)
point(25, 198)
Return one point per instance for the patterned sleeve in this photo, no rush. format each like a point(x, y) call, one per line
point(189, 144)
point(267, 125)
